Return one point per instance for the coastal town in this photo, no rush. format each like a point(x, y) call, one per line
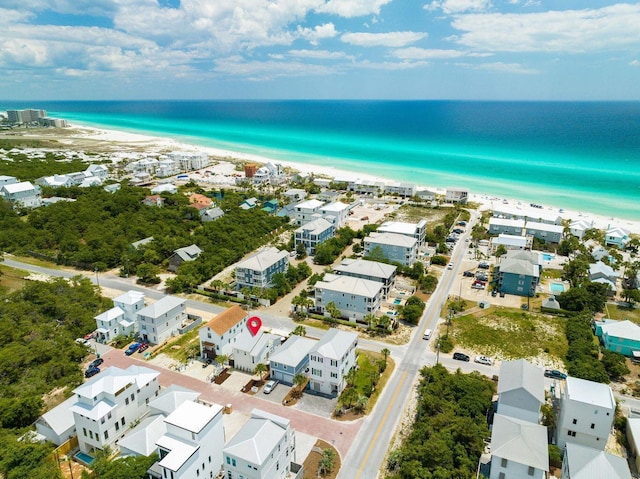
point(257, 319)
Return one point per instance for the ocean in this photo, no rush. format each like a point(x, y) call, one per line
point(574, 155)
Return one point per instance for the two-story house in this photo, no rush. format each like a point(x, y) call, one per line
point(221, 332)
point(397, 248)
point(457, 195)
point(330, 360)
point(587, 410)
point(162, 319)
point(370, 270)
point(108, 403)
point(545, 232)
point(355, 298)
point(520, 390)
point(258, 269)
point(619, 336)
point(191, 447)
point(250, 350)
point(290, 359)
point(263, 448)
point(406, 190)
point(616, 236)
point(23, 194)
point(509, 226)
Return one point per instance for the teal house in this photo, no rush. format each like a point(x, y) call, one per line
point(619, 336)
point(519, 272)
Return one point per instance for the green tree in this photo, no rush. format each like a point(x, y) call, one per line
point(615, 364)
point(148, 273)
point(299, 331)
point(327, 461)
point(501, 250)
point(260, 369)
point(333, 310)
point(429, 283)
point(301, 251)
point(222, 359)
point(575, 271)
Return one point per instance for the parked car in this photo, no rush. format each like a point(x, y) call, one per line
point(270, 386)
point(89, 336)
point(90, 372)
point(83, 341)
point(483, 265)
point(462, 223)
point(458, 231)
point(478, 285)
point(96, 362)
point(132, 349)
point(494, 292)
point(461, 357)
point(483, 360)
point(555, 374)
point(143, 347)
point(427, 334)
point(468, 274)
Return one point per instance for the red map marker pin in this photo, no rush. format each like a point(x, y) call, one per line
point(254, 325)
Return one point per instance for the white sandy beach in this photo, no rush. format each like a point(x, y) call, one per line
point(154, 144)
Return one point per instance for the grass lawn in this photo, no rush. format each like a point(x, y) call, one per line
point(511, 334)
point(38, 262)
point(182, 346)
point(12, 279)
point(417, 213)
point(551, 274)
point(614, 311)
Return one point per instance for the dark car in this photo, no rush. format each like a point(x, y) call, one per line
point(132, 349)
point(143, 347)
point(461, 357)
point(468, 274)
point(91, 372)
point(96, 362)
point(483, 265)
point(555, 374)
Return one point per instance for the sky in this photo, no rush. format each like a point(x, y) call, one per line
point(320, 49)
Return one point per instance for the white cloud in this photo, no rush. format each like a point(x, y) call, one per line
point(586, 30)
point(635, 63)
point(414, 53)
point(459, 6)
point(352, 8)
point(319, 54)
point(267, 70)
point(319, 32)
point(516, 68)
point(405, 65)
point(389, 39)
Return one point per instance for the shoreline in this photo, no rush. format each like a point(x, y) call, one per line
point(157, 144)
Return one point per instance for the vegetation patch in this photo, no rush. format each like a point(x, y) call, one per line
point(613, 311)
point(508, 333)
point(320, 463)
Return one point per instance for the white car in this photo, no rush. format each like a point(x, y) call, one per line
point(450, 266)
point(483, 360)
point(270, 386)
point(427, 334)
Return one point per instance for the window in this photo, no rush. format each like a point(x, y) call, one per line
point(575, 421)
point(571, 433)
point(132, 396)
point(501, 475)
point(126, 401)
point(228, 460)
point(593, 426)
point(117, 427)
point(503, 463)
point(106, 435)
point(122, 421)
point(84, 431)
point(531, 470)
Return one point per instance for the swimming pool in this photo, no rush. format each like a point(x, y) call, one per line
point(548, 257)
point(397, 301)
point(84, 458)
point(556, 288)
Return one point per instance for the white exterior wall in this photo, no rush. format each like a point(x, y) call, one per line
point(513, 470)
point(337, 217)
point(327, 375)
point(91, 434)
point(584, 415)
point(352, 306)
point(247, 360)
point(304, 211)
point(224, 343)
point(158, 330)
point(130, 308)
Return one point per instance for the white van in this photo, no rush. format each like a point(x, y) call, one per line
point(427, 334)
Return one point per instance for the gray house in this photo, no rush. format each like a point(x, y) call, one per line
point(510, 226)
point(372, 270)
point(291, 358)
point(179, 256)
point(519, 273)
point(394, 247)
point(520, 390)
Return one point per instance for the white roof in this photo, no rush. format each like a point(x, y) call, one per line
point(112, 379)
point(310, 204)
point(589, 392)
point(293, 351)
point(521, 374)
point(545, 227)
point(170, 398)
point(520, 441)
point(519, 267)
point(95, 411)
point(142, 440)
point(162, 306)
point(392, 239)
point(622, 329)
point(348, 284)
point(365, 267)
point(602, 268)
point(18, 187)
point(130, 297)
point(587, 463)
point(617, 231)
point(263, 259)
point(247, 342)
point(193, 416)
point(180, 452)
point(110, 315)
point(255, 441)
point(581, 225)
point(316, 226)
point(335, 343)
point(336, 206)
point(398, 227)
point(633, 426)
point(60, 418)
point(515, 223)
point(510, 240)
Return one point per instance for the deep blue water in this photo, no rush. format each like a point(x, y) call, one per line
point(584, 156)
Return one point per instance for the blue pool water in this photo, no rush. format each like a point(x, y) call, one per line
point(548, 257)
point(397, 301)
point(557, 288)
point(84, 458)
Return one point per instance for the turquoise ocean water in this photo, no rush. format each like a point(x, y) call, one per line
point(583, 156)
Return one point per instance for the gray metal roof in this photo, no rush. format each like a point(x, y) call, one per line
point(162, 306)
point(255, 441)
point(335, 343)
point(587, 463)
point(348, 284)
point(263, 259)
point(293, 351)
point(365, 267)
point(521, 374)
point(520, 441)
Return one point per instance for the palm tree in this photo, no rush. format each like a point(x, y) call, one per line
point(260, 369)
point(300, 381)
point(385, 352)
point(222, 359)
point(300, 331)
point(361, 403)
point(327, 461)
point(371, 320)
